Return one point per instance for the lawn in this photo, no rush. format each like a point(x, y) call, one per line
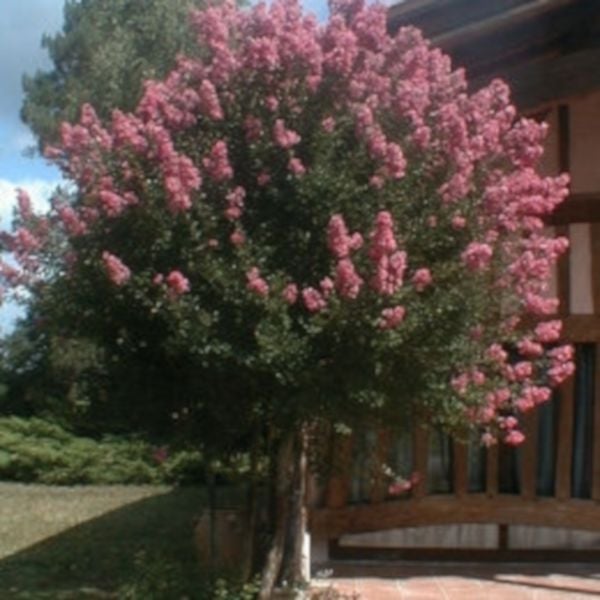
point(90, 541)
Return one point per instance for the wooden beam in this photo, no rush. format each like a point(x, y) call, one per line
point(460, 469)
point(596, 431)
point(529, 455)
point(420, 460)
point(577, 208)
point(581, 328)
point(378, 490)
point(510, 18)
point(447, 510)
point(512, 555)
point(550, 78)
point(564, 442)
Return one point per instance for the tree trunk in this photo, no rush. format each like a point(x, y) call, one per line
point(283, 489)
point(299, 517)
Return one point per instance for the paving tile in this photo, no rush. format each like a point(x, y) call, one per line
point(468, 582)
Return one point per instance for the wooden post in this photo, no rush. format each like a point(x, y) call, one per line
point(378, 488)
point(420, 460)
point(460, 468)
point(338, 486)
point(529, 456)
point(564, 443)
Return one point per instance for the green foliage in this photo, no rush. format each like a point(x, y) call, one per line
point(104, 52)
point(156, 579)
point(35, 450)
point(38, 451)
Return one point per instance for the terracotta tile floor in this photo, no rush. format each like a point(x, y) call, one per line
point(419, 581)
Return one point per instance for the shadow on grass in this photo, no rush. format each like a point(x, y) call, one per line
point(100, 556)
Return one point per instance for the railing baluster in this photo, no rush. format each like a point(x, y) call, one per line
point(420, 460)
point(339, 483)
point(564, 443)
point(491, 470)
point(529, 456)
point(460, 468)
point(378, 490)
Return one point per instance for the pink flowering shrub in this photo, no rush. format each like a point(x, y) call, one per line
point(351, 222)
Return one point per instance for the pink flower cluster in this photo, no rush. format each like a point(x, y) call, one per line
point(389, 263)
point(178, 283)
point(256, 284)
point(117, 271)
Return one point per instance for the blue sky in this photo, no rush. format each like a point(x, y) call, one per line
point(22, 26)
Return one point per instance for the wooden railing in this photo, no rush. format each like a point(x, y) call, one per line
point(339, 513)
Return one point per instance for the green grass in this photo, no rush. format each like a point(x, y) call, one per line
point(91, 541)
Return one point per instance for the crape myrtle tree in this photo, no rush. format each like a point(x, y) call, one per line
point(313, 223)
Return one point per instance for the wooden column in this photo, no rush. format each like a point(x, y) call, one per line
point(596, 432)
point(378, 490)
point(420, 460)
point(460, 469)
point(564, 442)
point(564, 164)
point(337, 494)
point(595, 251)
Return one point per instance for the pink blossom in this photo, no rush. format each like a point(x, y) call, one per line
point(117, 272)
point(290, 293)
point(235, 203)
point(256, 284)
point(285, 138)
point(548, 331)
point(477, 256)
point(496, 353)
point(209, 101)
point(529, 348)
point(313, 300)
point(514, 438)
point(458, 222)
point(422, 279)
point(271, 103)
point(487, 439)
point(112, 203)
point(178, 283)
point(347, 281)
point(263, 179)
point(328, 124)
point(217, 163)
point(392, 317)
point(237, 238)
point(327, 286)
point(339, 241)
point(296, 167)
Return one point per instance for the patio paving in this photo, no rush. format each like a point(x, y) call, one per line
point(460, 581)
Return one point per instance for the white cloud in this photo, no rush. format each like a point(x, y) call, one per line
point(39, 190)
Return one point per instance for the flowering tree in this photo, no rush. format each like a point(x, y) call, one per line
point(313, 222)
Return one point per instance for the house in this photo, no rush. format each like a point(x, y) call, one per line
point(541, 501)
